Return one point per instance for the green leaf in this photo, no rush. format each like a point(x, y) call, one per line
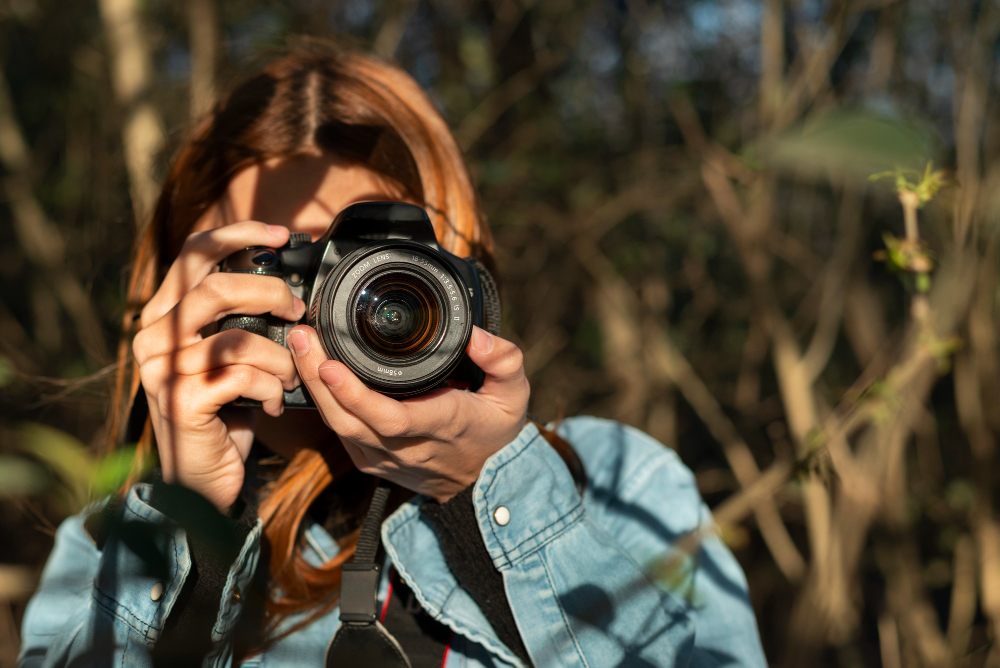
point(111, 472)
point(19, 477)
point(6, 371)
point(850, 143)
point(65, 455)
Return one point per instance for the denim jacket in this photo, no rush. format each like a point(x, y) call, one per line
point(584, 575)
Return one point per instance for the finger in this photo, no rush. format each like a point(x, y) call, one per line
point(234, 346)
point(308, 355)
point(217, 296)
point(201, 252)
point(196, 400)
point(388, 417)
point(503, 364)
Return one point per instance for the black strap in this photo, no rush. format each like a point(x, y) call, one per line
point(361, 640)
point(369, 538)
point(359, 582)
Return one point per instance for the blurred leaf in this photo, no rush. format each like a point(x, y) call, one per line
point(6, 371)
point(924, 187)
point(850, 143)
point(111, 472)
point(902, 255)
point(736, 537)
point(66, 455)
point(960, 494)
point(19, 477)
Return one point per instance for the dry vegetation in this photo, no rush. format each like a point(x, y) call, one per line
point(689, 241)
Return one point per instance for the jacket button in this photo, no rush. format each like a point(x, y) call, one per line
point(235, 598)
point(501, 515)
point(156, 593)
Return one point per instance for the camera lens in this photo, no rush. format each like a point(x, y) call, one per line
point(397, 315)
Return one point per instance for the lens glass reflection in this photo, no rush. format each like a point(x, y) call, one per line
point(397, 315)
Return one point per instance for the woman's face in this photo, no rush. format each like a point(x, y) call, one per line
point(304, 194)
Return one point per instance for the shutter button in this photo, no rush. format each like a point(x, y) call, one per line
point(156, 593)
point(501, 515)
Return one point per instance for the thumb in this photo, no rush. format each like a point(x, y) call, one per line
point(501, 360)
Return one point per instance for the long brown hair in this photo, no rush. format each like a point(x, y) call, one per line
point(359, 109)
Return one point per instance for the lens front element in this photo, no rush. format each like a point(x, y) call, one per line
point(397, 315)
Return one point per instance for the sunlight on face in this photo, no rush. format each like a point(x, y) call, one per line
point(303, 193)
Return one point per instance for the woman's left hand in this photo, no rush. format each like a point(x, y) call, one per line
point(434, 444)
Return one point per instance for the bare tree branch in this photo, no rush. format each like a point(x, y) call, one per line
point(132, 81)
point(502, 98)
point(203, 31)
point(40, 240)
point(391, 33)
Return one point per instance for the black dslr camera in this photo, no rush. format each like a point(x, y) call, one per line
point(384, 297)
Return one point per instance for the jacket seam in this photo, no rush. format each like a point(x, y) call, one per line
point(562, 613)
point(486, 497)
point(116, 609)
point(128, 618)
point(571, 521)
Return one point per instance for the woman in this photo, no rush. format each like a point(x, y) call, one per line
point(498, 557)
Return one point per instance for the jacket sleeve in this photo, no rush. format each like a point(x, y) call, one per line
point(585, 575)
point(109, 604)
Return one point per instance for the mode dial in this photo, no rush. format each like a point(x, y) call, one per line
point(299, 239)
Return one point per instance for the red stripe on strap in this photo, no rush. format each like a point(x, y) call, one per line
point(447, 650)
point(388, 597)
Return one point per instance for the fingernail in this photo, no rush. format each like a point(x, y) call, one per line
point(298, 342)
point(330, 376)
point(482, 340)
point(277, 230)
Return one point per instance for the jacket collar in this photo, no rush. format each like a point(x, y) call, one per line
point(413, 547)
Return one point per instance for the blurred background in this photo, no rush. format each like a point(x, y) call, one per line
point(690, 241)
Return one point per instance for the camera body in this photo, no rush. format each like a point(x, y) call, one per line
point(384, 297)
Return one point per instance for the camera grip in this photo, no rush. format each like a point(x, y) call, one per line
point(263, 325)
point(251, 323)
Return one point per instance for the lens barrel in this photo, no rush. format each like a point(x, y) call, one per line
point(396, 314)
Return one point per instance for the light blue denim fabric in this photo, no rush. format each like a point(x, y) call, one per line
point(584, 576)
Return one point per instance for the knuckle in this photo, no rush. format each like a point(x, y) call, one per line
point(215, 286)
point(151, 375)
point(277, 290)
point(174, 401)
point(145, 318)
point(349, 433)
point(140, 345)
point(241, 375)
point(352, 431)
point(452, 431)
point(511, 362)
point(200, 241)
point(240, 343)
point(397, 425)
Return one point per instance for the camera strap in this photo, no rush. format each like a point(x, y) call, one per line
point(361, 639)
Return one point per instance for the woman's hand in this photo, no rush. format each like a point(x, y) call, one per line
point(188, 378)
point(434, 444)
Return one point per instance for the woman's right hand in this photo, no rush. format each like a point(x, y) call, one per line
point(188, 378)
